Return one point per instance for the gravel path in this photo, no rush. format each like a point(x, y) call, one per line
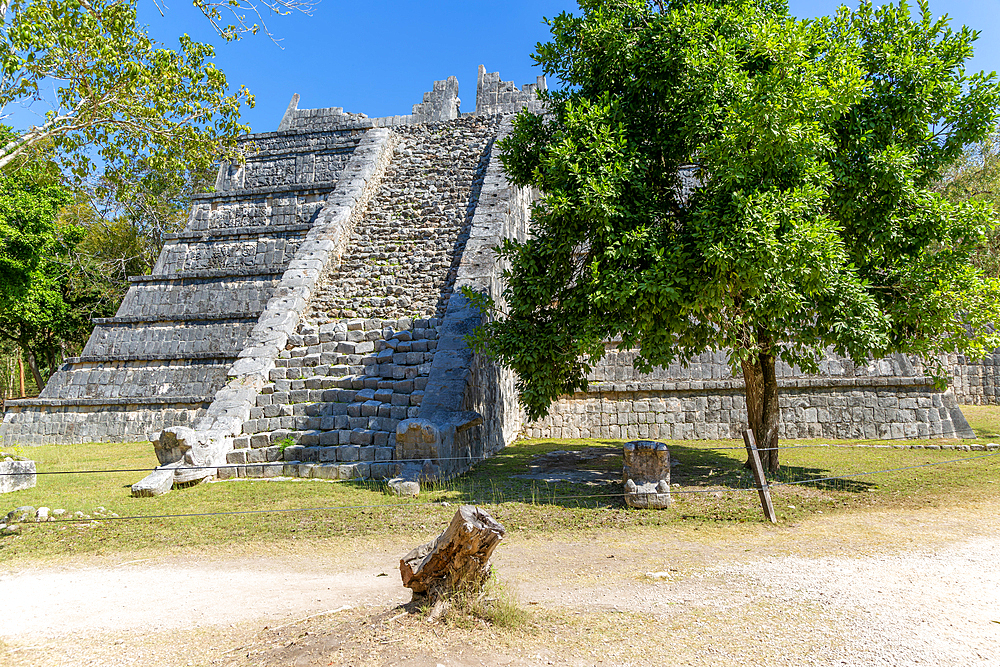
point(743, 596)
point(934, 607)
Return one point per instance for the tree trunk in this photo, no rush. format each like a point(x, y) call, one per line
point(771, 416)
point(458, 558)
point(763, 415)
point(33, 365)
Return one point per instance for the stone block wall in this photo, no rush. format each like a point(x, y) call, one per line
point(243, 250)
point(62, 421)
point(494, 96)
point(138, 339)
point(440, 104)
point(618, 366)
point(163, 297)
point(893, 408)
point(119, 376)
point(290, 158)
point(886, 398)
point(975, 382)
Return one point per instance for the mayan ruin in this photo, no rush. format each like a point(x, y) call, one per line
point(310, 313)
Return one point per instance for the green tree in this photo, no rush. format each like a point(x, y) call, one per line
point(47, 295)
point(121, 104)
point(125, 237)
point(87, 193)
point(976, 177)
point(809, 224)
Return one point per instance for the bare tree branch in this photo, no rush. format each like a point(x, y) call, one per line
point(241, 9)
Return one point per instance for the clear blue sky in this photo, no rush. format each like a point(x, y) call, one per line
point(379, 57)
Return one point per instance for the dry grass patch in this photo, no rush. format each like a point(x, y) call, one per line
point(712, 489)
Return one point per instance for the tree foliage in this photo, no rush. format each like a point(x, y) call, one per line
point(48, 293)
point(246, 15)
point(810, 222)
point(125, 236)
point(121, 103)
point(976, 177)
point(131, 129)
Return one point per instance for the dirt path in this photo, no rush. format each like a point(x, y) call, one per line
point(904, 588)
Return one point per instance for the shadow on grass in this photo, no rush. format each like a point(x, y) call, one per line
point(708, 467)
point(502, 478)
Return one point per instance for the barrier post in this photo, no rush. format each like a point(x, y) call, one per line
point(758, 475)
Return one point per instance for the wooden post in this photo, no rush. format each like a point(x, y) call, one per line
point(20, 369)
point(758, 475)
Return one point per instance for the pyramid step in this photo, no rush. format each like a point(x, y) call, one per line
point(207, 274)
point(192, 356)
point(233, 316)
point(264, 231)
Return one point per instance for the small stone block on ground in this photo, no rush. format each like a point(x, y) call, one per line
point(646, 474)
point(155, 483)
point(404, 487)
point(16, 475)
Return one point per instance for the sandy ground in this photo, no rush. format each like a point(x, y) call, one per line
point(903, 588)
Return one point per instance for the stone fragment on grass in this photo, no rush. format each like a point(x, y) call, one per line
point(20, 514)
point(646, 474)
point(16, 475)
point(155, 483)
point(404, 487)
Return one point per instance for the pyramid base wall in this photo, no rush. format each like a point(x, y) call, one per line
point(883, 408)
point(35, 422)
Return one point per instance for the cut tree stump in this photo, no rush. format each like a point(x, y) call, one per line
point(457, 559)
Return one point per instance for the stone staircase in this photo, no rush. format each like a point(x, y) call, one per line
point(335, 400)
point(297, 320)
point(360, 359)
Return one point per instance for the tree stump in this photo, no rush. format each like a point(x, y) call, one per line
point(457, 559)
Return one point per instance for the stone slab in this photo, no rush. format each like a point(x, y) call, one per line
point(17, 475)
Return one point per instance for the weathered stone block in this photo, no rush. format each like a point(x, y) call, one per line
point(379, 470)
point(16, 475)
point(646, 474)
point(156, 483)
point(237, 456)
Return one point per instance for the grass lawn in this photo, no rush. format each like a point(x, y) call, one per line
point(984, 420)
point(713, 487)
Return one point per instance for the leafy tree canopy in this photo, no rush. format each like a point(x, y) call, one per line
point(809, 222)
point(130, 132)
point(48, 293)
point(123, 105)
point(976, 177)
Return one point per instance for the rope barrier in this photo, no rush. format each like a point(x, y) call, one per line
point(879, 472)
point(453, 458)
point(533, 500)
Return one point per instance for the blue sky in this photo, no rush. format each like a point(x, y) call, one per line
point(379, 57)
